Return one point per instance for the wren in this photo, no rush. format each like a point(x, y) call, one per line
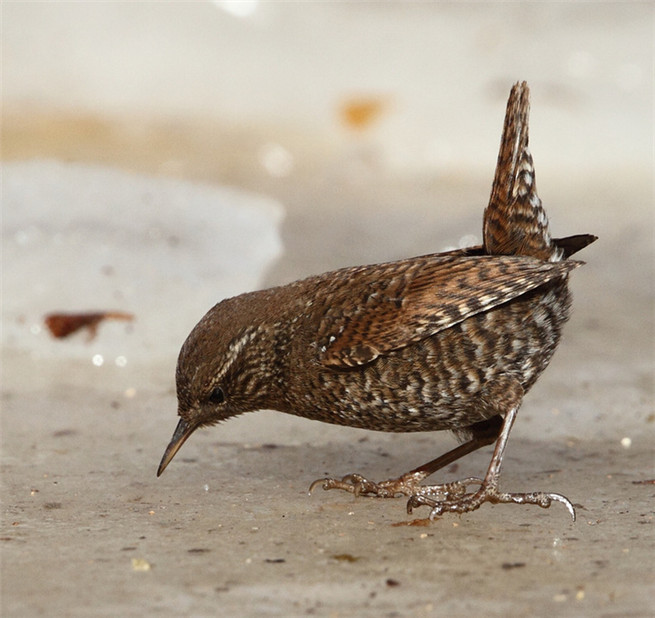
point(450, 340)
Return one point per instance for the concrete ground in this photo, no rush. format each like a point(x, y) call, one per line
point(229, 529)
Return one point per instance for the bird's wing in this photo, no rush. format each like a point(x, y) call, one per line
point(375, 311)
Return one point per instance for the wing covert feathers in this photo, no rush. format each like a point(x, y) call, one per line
point(410, 300)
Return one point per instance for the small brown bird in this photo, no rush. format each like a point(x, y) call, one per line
point(451, 340)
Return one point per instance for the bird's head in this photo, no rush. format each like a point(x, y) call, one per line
point(221, 371)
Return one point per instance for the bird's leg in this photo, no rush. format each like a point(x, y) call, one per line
point(488, 492)
point(409, 483)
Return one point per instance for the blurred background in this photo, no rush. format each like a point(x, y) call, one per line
point(283, 87)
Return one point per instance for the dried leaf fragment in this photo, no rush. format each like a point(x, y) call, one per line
point(63, 325)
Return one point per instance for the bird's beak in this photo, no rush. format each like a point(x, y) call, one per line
point(182, 432)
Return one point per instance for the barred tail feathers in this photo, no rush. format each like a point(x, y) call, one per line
point(515, 222)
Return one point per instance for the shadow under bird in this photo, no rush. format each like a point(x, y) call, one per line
point(450, 340)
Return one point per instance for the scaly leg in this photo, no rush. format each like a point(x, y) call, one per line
point(488, 492)
point(409, 484)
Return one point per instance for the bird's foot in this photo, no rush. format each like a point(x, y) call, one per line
point(465, 502)
point(405, 485)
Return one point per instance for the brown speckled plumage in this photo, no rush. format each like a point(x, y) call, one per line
point(445, 341)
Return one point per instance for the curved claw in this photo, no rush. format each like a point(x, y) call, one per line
point(318, 482)
point(565, 501)
point(419, 500)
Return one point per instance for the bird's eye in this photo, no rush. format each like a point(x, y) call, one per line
point(217, 395)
